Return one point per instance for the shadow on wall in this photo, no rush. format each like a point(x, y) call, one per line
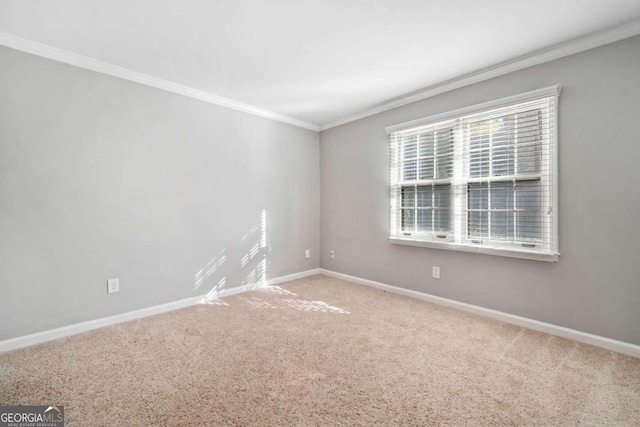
point(253, 263)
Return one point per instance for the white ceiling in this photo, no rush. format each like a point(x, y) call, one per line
point(315, 60)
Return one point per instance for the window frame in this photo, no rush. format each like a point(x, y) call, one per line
point(458, 238)
point(432, 182)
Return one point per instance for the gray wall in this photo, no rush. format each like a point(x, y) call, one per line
point(595, 287)
point(102, 178)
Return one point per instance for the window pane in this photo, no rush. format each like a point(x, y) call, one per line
point(424, 196)
point(478, 223)
point(528, 225)
point(501, 195)
point(423, 220)
point(529, 158)
point(444, 167)
point(479, 145)
point(479, 163)
point(528, 195)
point(529, 206)
point(408, 197)
point(442, 196)
point(502, 159)
point(529, 146)
point(502, 225)
point(426, 168)
point(409, 147)
point(408, 220)
point(444, 150)
point(502, 220)
point(442, 220)
point(426, 144)
point(444, 141)
point(409, 170)
point(478, 196)
point(479, 135)
point(425, 152)
point(442, 202)
point(409, 158)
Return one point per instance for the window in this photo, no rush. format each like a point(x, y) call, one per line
point(480, 179)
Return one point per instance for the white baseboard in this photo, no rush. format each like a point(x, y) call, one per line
point(560, 331)
point(293, 276)
point(65, 331)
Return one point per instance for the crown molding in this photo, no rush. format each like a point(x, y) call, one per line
point(561, 50)
point(81, 61)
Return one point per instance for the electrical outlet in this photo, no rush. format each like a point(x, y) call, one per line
point(435, 272)
point(333, 254)
point(307, 253)
point(113, 285)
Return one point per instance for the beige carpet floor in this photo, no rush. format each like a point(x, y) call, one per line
point(322, 351)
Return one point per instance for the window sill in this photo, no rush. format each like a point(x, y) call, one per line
point(460, 247)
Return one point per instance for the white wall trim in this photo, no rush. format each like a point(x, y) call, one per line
point(486, 250)
point(65, 331)
point(81, 61)
point(294, 276)
point(561, 50)
point(559, 331)
point(570, 47)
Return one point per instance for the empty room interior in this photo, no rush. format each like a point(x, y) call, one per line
point(319, 213)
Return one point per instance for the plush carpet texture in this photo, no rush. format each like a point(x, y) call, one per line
point(322, 351)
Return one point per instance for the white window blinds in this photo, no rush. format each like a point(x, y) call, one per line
point(480, 179)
